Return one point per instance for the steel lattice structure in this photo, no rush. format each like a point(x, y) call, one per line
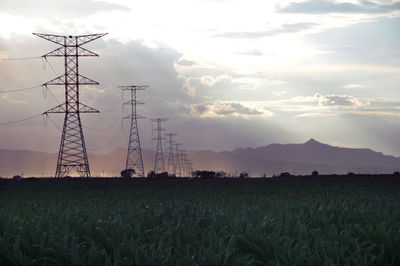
point(159, 164)
point(72, 154)
point(178, 165)
point(183, 163)
point(171, 167)
point(134, 160)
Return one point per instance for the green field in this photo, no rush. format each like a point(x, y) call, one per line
point(299, 220)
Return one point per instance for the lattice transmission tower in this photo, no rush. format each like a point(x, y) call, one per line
point(178, 165)
point(183, 163)
point(72, 154)
point(159, 164)
point(134, 160)
point(171, 167)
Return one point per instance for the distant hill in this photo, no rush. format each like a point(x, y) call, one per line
point(272, 159)
point(298, 159)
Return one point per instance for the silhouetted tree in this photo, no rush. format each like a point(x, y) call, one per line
point(204, 174)
point(315, 173)
point(151, 174)
point(127, 173)
point(221, 174)
point(17, 178)
point(243, 175)
point(283, 174)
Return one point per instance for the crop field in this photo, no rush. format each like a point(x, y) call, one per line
point(297, 220)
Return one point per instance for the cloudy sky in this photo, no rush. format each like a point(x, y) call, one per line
point(227, 74)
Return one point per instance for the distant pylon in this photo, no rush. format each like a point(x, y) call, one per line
point(178, 167)
point(190, 167)
point(159, 164)
point(134, 160)
point(183, 163)
point(72, 154)
point(171, 160)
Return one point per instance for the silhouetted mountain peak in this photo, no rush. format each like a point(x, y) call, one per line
point(312, 141)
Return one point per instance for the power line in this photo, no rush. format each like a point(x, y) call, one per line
point(112, 108)
point(54, 123)
point(51, 93)
point(104, 129)
point(108, 144)
point(51, 66)
point(23, 89)
point(19, 58)
point(20, 120)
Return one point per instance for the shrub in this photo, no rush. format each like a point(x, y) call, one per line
point(127, 173)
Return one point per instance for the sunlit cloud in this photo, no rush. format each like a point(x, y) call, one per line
point(222, 109)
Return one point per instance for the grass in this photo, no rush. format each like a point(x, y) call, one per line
point(308, 220)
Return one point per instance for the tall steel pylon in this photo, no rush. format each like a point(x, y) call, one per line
point(134, 160)
point(187, 164)
point(72, 154)
point(171, 167)
point(183, 162)
point(159, 164)
point(178, 165)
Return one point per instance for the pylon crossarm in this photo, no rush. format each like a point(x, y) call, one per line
point(83, 39)
point(57, 52)
point(56, 81)
point(69, 40)
point(85, 52)
point(86, 81)
point(58, 109)
point(83, 108)
point(135, 87)
point(133, 116)
point(132, 102)
point(71, 51)
point(58, 39)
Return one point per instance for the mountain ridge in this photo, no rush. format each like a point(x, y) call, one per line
point(301, 158)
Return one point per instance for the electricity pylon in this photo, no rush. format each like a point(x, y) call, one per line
point(178, 165)
point(171, 164)
point(183, 162)
point(190, 167)
point(159, 164)
point(134, 160)
point(72, 153)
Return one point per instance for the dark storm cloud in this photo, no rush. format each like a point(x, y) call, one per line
point(58, 8)
point(325, 7)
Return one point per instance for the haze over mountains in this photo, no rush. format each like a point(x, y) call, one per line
point(273, 159)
